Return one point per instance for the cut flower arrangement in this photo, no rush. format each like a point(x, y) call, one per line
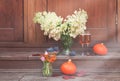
point(55, 27)
point(62, 29)
point(47, 59)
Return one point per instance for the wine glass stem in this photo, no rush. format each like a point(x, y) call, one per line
point(87, 45)
point(87, 52)
point(82, 45)
point(82, 50)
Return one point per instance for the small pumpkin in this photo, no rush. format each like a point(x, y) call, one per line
point(68, 67)
point(100, 49)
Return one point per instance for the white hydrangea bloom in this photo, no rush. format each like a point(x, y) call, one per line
point(76, 23)
point(55, 33)
point(48, 22)
point(54, 26)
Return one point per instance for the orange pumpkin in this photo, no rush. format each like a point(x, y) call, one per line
point(68, 67)
point(100, 49)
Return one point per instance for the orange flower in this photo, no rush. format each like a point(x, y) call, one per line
point(51, 57)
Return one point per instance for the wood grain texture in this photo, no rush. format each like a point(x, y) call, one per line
point(101, 13)
point(94, 8)
point(24, 33)
point(19, 20)
point(31, 25)
point(41, 5)
point(9, 36)
point(25, 60)
point(118, 29)
point(25, 21)
point(11, 20)
point(36, 75)
point(111, 24)
point(34, 34)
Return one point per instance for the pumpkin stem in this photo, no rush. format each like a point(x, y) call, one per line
point(69, 60)
point(102, 43)
point(46, 53)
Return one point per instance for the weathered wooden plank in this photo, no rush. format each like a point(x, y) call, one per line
point(23, 60)
point(118, 23)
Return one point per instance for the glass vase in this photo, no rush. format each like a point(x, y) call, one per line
point(66, 44)
point(47, 69)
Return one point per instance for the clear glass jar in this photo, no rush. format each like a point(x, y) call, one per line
point(47, 69)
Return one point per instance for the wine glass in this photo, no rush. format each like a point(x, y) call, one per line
point(85, 39)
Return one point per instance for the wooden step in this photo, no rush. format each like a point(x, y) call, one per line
point(37, 76)
point(92, 63)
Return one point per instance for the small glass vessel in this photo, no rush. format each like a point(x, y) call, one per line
point(66, 44)
point(47, 69)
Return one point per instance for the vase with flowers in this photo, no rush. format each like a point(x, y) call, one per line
point(62, 29)
point(66, 44)
point(47, 59)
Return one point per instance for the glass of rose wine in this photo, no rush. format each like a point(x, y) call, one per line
point(85, 39)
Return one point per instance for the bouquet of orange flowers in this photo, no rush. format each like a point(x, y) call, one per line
point(51, 57)
point(47, 59)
